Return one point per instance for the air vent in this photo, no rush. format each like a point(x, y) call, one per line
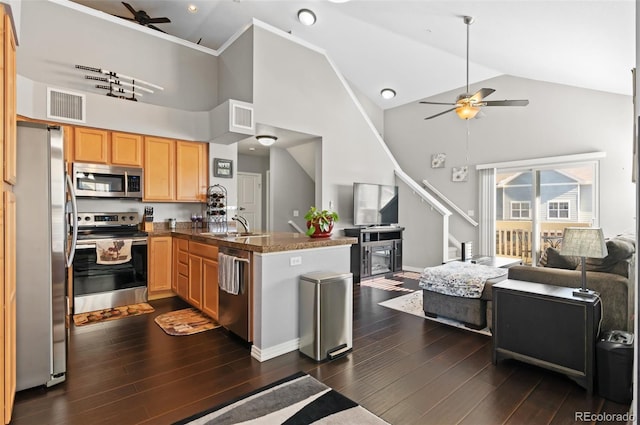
point(242, 116)
point(64, 105)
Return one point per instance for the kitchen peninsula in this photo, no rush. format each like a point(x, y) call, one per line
point(277, 260)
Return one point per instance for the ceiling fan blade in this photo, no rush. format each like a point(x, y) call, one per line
point(480, 94)
point(441, 113)
point(506, 103)
point(438, 103)
point(124, 17)
point(159, 20)
point(131, 9)
point(156, 28)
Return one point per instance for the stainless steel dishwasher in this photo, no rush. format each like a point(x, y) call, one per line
point(233, 310)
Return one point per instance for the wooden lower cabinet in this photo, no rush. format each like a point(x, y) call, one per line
point(159, 260)
point(210, 288)
point(180, 281)
point(203, 278)
point(8, 364)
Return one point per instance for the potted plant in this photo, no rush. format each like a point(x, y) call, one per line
point(320, 222)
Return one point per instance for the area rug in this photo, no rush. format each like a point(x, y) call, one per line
point(297, 399)
point(187, 321)
point(386, 284)
point(412, 304)
point(408, 275)
point(82, 319)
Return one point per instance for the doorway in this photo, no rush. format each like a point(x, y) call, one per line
point(250, 199)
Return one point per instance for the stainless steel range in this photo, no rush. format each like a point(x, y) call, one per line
point(110, 263)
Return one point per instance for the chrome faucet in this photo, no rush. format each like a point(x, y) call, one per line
point(242, 221)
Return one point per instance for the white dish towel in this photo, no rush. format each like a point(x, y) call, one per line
point(228, 274)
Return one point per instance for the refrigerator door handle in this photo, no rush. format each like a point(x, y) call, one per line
point(74, 220)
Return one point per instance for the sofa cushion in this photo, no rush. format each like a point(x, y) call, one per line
point(619, 251)
point(557, 261)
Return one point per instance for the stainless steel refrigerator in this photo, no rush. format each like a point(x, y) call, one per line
point(41, 258)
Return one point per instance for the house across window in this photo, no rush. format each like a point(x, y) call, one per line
point(558, 209)
point(521, 210)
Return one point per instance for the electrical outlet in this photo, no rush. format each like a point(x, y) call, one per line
point(296, 213)
point(295, 261)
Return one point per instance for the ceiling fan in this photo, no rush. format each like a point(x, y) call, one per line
point(141, 17)
point(468, 105)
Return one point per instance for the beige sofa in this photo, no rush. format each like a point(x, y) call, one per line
point(611, 276)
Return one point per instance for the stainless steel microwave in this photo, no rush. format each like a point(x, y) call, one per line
point(107, 181)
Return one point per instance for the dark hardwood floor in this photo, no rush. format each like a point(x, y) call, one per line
point(403, 368)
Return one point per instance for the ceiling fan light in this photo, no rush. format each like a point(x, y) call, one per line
point(306, 17)
point(266, 140)
point(466, 112)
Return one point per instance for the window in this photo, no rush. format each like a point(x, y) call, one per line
point(558, 209)
point(520, 210)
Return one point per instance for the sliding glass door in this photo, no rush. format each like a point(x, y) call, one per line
point(535, 204)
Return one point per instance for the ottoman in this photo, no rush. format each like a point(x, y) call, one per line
point(472, 312)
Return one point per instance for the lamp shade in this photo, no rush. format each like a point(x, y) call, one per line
point(466, 111)
point(583, 242)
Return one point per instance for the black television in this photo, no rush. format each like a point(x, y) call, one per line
point(375, 204)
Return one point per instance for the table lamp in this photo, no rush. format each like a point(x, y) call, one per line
point(583, 242)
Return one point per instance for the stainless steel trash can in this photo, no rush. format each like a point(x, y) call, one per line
point(326, 314)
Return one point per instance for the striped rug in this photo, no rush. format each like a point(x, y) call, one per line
point(386, 284)
point(408, 275)
point(297, 399)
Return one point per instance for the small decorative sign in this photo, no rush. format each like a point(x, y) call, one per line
point(222, 168)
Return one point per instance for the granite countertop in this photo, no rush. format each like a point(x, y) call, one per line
point(261, 242)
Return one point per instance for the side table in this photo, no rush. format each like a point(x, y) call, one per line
point(545, 325)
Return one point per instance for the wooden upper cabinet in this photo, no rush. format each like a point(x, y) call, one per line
point(91, 145)
point(191, 171)
point(126, 149)
point(159, 169)
point(10, 131)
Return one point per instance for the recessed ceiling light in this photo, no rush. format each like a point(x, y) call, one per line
point(306, 17)
point(266, 140)
point(388, 93)
point(192, 8)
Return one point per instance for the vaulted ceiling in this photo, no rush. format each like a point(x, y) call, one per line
point(418, 48)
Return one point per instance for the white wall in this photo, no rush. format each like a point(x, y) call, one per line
point(291, 189)
point(560, 120)
point(286, 95)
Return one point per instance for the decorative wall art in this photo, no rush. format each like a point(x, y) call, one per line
point(114, 83)
point(437, 160)
point(460, 174)
point(222, 168)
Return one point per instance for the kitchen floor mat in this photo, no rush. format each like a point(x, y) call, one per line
point(187, 321)
point(114, 313)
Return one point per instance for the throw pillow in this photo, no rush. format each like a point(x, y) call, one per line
point(619, 250)
point(542, 262)
point(557, 261)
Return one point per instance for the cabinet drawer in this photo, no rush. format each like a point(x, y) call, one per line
point(183, 257)
point(203, 250)
point(183, 269)
point(183, 245)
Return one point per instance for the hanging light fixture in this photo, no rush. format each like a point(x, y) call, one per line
point(306, 17)
point(467, 111)
point(266, 140)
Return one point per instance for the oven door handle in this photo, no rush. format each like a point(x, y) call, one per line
point(91, 243)
point(74, 221)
